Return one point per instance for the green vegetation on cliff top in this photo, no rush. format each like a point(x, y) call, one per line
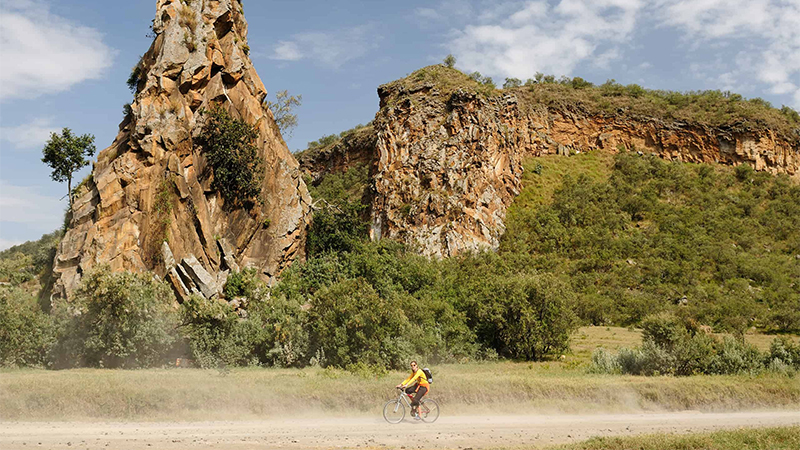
point(711, 108)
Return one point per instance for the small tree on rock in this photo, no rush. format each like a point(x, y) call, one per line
point(282, 110)
point(67, 154)
point(450, 61)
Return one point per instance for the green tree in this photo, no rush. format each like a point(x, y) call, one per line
point(115, 320)
point(282, 109)
point(229, 145)
point(450, 61)
point(512, 83)
point(66, 154)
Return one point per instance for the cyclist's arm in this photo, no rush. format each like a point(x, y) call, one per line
point(407, 381)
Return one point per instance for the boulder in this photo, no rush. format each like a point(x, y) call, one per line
point(205, 282)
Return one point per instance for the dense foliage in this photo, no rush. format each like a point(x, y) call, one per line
point(26, 262)
point(117, 320)
point(230, 147)
point(26, 333)
point(722, 245)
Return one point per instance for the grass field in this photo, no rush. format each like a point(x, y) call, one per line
point(783, 438)
point(502, 387)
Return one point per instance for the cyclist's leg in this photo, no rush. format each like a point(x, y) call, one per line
point(421, 391)
point(410, 391)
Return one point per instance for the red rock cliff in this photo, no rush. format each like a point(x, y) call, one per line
point(148, 204)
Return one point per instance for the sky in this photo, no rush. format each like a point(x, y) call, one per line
point(63, 63)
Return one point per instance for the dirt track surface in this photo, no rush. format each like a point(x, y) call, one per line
point(448, 432)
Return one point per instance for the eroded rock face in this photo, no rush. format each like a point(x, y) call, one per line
point(446, 170)
point(446, 166)
point(153, 183)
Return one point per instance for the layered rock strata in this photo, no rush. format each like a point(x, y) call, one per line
point(153, 185)
point(447, 162)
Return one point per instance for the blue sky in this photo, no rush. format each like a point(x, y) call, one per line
point(64, 63)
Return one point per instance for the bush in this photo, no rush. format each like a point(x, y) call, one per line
point(26, 333)
point(336, 228)
point(216, 335)
point(350, 323)
point(526, 317)
point(242, 284)
point(230, 147)
point(668, 347)
point(117, 320)
point(785, 350)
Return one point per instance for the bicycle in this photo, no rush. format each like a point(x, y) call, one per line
point(395, 410)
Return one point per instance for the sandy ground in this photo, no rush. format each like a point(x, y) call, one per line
point(451, 432)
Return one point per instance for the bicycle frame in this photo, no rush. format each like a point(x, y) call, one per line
point(406, 398)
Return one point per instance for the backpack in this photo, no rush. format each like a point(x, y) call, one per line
point(428, 374)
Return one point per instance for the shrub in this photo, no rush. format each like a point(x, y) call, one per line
point(215, 334)
point(512, 83)
point(26, 333)
point(734, 356)
point(785, 350)
point(351, 323)
point(525, 317)
point(449, 61)
point(135, 78)
point(230, 147)
point(604, 361)
point(117, 320)
point(337, 228)
point(242, 284)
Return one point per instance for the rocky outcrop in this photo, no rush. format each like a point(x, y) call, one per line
point(448, 153)
point(355, 148)
point(153, 184)
point(447, 168)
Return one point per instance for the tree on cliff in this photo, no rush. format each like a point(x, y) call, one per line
point(282, 110)
point(66, 154)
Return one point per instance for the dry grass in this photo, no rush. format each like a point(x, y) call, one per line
point(516, 387)
point(782, 438)
point(188, 18)
point(193, 394)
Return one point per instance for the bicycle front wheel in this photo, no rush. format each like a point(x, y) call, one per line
point(394, 411)
point(428, 410)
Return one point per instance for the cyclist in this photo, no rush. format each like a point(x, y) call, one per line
point(416, 384)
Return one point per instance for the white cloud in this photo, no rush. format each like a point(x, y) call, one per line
point(538, 37)
point(287, 51)
point(30, 135)
point(44, 54)
point(426, 13)
point(771, 28)
point(331, 49)
point(24, 205)
point(519, 38)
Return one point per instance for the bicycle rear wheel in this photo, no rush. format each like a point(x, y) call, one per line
point(394, 411)
point(428, 410)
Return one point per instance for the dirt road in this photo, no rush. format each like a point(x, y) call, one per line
point(450, 432)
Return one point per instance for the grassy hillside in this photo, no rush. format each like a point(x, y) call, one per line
point(635, 235)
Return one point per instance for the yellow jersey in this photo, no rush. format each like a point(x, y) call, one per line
point(417, 377)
